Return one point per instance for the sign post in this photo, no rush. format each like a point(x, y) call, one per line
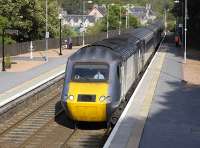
point(3, 54)
point(31, 50)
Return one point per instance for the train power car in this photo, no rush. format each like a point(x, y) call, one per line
point(99, 75)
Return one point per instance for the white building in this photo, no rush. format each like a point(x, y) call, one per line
point(144, 14)
point(79, 20)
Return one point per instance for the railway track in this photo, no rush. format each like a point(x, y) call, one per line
point(26, 125)
point(44, 124)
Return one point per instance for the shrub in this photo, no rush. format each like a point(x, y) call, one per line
point(8, 61)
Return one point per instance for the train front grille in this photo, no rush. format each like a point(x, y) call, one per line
point(86, 98)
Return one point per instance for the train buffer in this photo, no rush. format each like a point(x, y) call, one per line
point(163, 111)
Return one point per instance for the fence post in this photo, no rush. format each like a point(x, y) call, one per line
point(31, 50)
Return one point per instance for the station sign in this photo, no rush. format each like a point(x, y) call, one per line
point(180, 25)
point(47, 35)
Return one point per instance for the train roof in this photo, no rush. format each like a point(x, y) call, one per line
point(124, 45)
point(96, 53)
point(143, 33)
point(116, 48)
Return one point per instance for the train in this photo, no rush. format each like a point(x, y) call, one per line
point(98, 76)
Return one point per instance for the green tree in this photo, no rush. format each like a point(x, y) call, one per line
point(133, 21)
point(3, 22)
point(96, 29)
point(29, 17)
point(68, 31)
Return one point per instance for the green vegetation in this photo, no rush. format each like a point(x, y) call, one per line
point(8, 61)
point(28, 16)
point(113, 19)
point(68, 31)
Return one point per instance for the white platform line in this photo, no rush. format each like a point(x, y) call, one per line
point(122, 117)
point(30, 88)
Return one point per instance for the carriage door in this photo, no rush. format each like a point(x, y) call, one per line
point(123, 80)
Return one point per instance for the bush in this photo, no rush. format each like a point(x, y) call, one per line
point(171, 26)
point(96, 29)
point(134, 22)
point(68, 31)
point(8, 61)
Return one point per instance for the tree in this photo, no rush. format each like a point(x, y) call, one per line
point(29, 17)
point(96, 29)
point(68, 31)
point(3, 22)
point(133, 22)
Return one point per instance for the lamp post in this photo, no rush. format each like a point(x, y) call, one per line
point(120, 22)
point(3, 52)
point(186, 15)
point(47, 33)
point(83, 22)
point(107, 25)
point(176, 2)
point(107, 19)
point(127, 15)
point(60, 19)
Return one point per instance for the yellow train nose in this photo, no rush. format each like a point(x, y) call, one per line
point(86, 104)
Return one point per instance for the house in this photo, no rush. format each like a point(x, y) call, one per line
point(144, 14)
point(98, 11)
point(77, 21)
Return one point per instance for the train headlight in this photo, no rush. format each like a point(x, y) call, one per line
point(102, 98)
point(108, 99)
point(71, 97)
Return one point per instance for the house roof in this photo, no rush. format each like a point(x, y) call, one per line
point(138, 11)
point(101, 9)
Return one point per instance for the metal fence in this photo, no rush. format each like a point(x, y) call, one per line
point(39, 45)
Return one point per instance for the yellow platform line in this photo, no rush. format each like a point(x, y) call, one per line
point(154, 72)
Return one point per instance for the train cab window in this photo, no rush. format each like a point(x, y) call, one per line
point(90, 72)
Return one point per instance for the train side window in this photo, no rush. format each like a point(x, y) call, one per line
point(119, 73)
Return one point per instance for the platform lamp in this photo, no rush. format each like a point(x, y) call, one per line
point(107, 18)
point(60, 19)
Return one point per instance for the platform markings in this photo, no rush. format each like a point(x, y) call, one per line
point(27, 86)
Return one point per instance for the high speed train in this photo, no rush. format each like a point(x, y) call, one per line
point(98, 76)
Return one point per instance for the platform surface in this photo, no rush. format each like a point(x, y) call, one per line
point(13, 83)
point(174, 117)
point(164, 111)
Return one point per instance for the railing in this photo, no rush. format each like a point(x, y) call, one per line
point(39, 45)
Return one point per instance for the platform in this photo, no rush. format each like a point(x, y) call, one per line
point(29, 74)
point(163, 111)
